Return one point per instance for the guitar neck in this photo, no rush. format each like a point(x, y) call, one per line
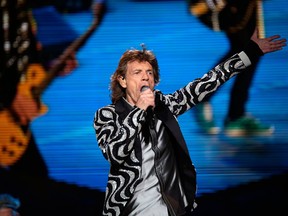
point(260, 19)
point(60, 62)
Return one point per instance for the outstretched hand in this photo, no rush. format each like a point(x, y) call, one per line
point(269, 44)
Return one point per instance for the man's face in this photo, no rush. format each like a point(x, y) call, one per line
point(8, 212)
point(138, 74)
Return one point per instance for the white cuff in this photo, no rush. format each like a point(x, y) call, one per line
point(244, 58)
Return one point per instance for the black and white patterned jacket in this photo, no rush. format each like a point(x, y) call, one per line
point(118, 125)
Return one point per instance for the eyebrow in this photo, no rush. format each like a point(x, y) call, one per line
point(138, 69)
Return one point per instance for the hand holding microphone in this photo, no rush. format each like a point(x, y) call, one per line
point(149, 99)
point(146, 99)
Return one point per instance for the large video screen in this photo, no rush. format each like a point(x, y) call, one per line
point(186, 49)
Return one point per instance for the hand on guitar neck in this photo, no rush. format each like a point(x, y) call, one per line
point(69, 65)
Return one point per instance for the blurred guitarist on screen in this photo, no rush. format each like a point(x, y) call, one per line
point(21, 70)
point(19, 49)
point(237, 19)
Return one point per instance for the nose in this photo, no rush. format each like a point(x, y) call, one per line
point(145, 76)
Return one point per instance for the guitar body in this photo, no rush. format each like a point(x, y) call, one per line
point(35, 76)
point(14, 138)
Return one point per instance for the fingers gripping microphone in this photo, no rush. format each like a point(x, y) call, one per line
point(149, 110)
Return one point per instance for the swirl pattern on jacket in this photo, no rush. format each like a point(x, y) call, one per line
point(118, 132)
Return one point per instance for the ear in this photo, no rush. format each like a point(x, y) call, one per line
point(122, 81)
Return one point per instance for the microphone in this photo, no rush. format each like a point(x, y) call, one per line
point(144, 88)
point(149, 110)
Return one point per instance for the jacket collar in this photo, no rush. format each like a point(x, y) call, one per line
point(122, 108)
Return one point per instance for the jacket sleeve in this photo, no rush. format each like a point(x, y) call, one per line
point(116, 137)
point(183, 99)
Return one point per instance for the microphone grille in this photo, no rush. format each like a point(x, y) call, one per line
point(144, 88)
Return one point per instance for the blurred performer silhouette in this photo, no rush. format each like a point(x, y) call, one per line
point(237, 19)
